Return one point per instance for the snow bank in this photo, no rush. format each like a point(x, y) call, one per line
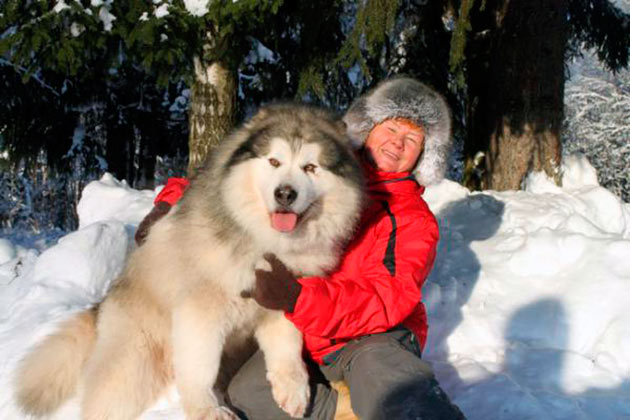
point(7, 251)
point(110, 199)
point(527, 299)
point(38, 291)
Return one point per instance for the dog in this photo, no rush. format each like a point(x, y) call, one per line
point(286, 182)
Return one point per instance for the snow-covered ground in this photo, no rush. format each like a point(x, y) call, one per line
point(528, 300)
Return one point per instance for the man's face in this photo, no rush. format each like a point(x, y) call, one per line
point(395, 145)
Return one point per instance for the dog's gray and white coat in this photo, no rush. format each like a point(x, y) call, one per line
point(286, 182)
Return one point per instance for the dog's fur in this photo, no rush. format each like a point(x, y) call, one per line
point(177, 306)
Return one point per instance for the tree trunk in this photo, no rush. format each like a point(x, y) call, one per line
point(119, 150)
point(211, 117)
point(516, 91)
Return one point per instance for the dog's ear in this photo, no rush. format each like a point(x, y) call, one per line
point(341, 126)
point(260, 115)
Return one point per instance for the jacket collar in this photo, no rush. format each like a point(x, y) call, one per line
point(391, 182)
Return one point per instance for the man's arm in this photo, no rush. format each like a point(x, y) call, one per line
point(170, 194)
point(347, 304)
point(340, 306)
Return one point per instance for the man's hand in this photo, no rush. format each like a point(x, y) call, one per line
point(157, 212)
point(276, 289)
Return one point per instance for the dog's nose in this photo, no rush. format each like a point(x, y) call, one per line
point(285, 195)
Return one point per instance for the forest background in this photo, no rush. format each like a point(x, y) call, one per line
point(144, 89)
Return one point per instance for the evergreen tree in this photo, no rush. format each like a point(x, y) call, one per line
point(83, 75)
point(506, 63)
point(511, 55)
point(201, 44)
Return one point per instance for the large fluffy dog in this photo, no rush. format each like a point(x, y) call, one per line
point(287, 183)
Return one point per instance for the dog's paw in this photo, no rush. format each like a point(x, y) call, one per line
point(290, 390)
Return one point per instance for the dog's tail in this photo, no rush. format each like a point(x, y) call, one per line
point(50, 373)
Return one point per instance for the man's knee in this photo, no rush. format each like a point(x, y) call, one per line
point(388, 355)
point(385, 378)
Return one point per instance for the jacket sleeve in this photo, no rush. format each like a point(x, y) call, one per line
point(381, 296)
point(172, 191)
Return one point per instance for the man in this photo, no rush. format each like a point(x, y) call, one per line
point(365, 323)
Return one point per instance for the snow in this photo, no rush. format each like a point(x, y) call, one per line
point(259, 53)
point(76, 29)
point(527, 300)
point(596, 106)
point(98, 3)
point(161, 11)
point(7, 251)
point(106, 17)
point(77, 139)
point(60, 5)
point(196, 7)
point(110, 199)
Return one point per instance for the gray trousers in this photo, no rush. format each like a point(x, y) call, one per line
point(384, 372)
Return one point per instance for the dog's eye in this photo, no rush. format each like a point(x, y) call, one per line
point(309, 168)
point(274, 162)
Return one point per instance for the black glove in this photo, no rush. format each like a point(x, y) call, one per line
point(276, 289)
point(158, 211)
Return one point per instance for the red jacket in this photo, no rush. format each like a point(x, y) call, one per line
point(172, 191)
point(378, 284)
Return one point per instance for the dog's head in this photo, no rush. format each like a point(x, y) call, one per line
point(291, 180)
point(290, 171)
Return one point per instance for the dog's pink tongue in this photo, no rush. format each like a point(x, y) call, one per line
point(283, 222)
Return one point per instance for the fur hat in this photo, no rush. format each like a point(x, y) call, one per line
point(403, 97)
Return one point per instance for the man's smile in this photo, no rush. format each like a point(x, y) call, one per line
point(390, 155)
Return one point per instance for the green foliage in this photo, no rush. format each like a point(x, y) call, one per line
point(311, 80)
point(592, 24)
point(36, 36)
point(165, 45)
point(68, 59)
point(229, 23)
point(75, 40)
point(304, 38)
point(374, 21)
point(600, 25)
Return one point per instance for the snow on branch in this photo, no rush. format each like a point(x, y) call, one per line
point(197, 7)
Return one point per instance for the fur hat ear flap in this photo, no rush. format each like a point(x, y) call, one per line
point(358, 125)
point(403, 97)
